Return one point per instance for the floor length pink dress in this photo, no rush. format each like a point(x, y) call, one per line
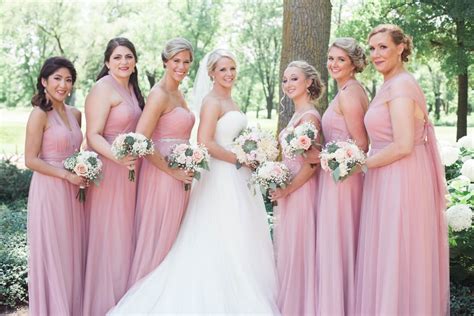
point(402, 257)
point(161, 199)
point(56, 227)
point(295, 241)
point(337, 224)
point(110, 208)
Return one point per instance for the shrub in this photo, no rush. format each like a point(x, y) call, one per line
point(14, 182)
point(462, 300)
point(13, 257)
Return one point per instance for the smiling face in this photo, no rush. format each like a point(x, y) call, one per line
point(122, 62)
point(385, 54)
point(295, 83)
point(178, 66)
point(225, 72)
point(339, 64)
point(58, 85)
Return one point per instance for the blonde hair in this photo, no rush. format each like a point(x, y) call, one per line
point(217, 54)
point(317, 87)
point(175, 46)
point(398, 37)
point(353, 50)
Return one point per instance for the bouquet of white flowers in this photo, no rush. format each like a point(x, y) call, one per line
point(85, 164)
point(271, 175)
point(189, 157)
point(299, 139)
point(133, 144)
point(341, 158)
point(254, 146)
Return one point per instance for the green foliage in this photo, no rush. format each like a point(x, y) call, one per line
point(13, 257)
point(14, 182)
point(462, 300)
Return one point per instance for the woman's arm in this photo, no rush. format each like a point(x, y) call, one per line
point(99, 102)
point(306, 171)
point(210, 113)
point(156, 105)
point(35, 128)
point(353, 112)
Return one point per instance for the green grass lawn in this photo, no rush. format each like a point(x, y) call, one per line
point(13, 124)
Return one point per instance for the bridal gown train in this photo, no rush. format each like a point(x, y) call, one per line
point(222, 261)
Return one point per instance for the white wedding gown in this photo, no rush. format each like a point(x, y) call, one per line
point(222, 261)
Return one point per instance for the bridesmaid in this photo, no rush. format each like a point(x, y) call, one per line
point(55, 216)
point(161, 198)
point(339, 203)
point(295, 231)
point(402, 257)
point(113, 106)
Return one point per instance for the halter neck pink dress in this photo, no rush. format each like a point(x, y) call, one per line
point(337, 224)
point(402, 257)
point(56, 227)
point(161, 199)
point(295, 240)
point(111, 211)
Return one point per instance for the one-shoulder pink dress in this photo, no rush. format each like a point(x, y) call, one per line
point(110, 209)
point(402, 257)
point(295, 240)
point(161, 199)
point(56, 227)
point(337, 223)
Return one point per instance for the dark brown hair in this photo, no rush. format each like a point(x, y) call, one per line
point(50, 66)
point(111, 46)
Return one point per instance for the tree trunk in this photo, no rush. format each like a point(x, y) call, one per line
point(462, 79)
point(462, 105)
point(306, 30)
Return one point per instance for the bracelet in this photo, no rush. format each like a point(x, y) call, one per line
point(364, 168)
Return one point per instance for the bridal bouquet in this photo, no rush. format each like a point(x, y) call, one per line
point(85, 164)
point(341, 158)
point(299, 139)
point(254, 146)
point(133, 144)
point(190, 158)
point(271, 175)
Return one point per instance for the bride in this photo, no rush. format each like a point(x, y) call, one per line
point(222, 261)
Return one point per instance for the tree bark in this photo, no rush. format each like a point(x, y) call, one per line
point(462, 79)
point(306, 31)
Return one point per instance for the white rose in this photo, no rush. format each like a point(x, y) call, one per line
point(460, 182)
point(467, 169)
point(459, 217)
point(466, 141)
point(449, 155)
point(340, 155)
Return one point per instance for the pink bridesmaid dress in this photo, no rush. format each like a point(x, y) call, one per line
point(337, 225)
point(295, 241)
point(402, 257)
point(110, 209)
point(161, 199)
point(56, 227)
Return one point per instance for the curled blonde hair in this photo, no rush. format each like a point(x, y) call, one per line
point(217, 54)
point(398, 37)
point(353, 50)
point(175, 46)
point(316, 89)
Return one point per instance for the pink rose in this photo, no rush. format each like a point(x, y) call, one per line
point(197, 156)
point(349, 152)
point(81, 169)
point(304, 142)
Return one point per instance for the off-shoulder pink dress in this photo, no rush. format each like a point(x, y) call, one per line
point(402, 257)
point(56, 227)
point(295, 240)
point(337, 223)
point(111, 211)
point(161, 199)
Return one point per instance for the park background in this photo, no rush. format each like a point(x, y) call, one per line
point(265, 35)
